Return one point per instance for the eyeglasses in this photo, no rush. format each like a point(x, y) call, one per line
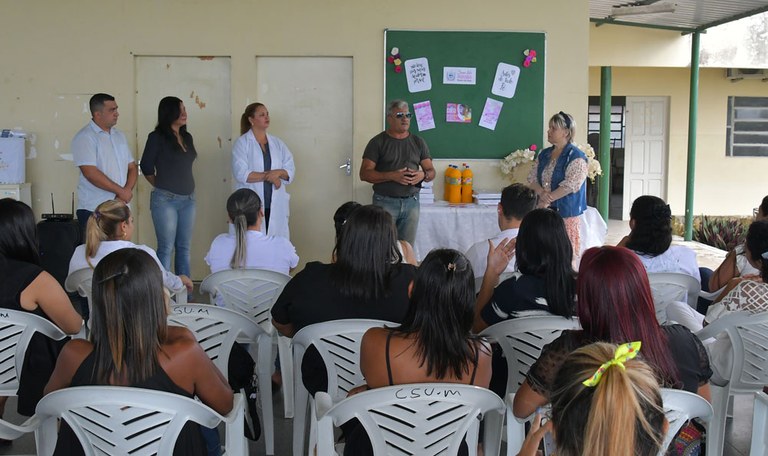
point(400, 115)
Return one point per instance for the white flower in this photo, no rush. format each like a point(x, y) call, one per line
point(518, 157)
point(593, 165)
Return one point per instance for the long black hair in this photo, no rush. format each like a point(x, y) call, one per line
point(366, 254)
point(544, 250)
point(652, 227)
point(168, 111)
point(757, 244)
point(129, 317)
point(18, 232)
point(441, 313)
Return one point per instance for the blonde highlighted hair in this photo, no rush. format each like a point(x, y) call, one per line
point(622, 414)
point(103, 225)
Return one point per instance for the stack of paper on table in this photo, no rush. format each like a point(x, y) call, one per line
point(487, 199)
point(425, 195)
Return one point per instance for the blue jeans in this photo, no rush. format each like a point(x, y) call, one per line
point(173, 216)
point(404, 211)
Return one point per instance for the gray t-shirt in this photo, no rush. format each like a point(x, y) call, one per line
point(391, 154)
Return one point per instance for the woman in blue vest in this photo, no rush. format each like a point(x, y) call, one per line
point(559, 176)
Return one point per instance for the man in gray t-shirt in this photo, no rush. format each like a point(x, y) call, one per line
point(396, 163)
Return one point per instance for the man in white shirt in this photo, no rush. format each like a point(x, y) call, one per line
point(107, 168)
point(516, 201)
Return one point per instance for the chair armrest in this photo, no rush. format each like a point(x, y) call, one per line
point(234, 440)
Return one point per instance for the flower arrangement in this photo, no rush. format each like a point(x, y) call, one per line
point(522, 156)
point(516, 158)
point(593, 165)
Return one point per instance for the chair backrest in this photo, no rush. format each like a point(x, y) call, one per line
point(16, 330)
point(420, 419)
point(250, 291)
point(760, 425)
point(672, 286)
point(216, 329)
point(748, 334)
point(521, 340)
point(80, 281)
point(338, 343)
point(679, 407)
point(119, 420)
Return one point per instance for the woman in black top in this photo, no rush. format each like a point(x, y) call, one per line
point(26, 287)
point(367, 280)
point(167, 165)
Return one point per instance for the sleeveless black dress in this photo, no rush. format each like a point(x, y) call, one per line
point(190, 441)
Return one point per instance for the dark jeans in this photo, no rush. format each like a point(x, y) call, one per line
point(82, 219)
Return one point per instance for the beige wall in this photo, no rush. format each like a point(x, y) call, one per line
point(615, 45)
point(55, 52)
point(724, 185)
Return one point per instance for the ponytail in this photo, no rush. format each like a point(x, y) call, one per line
point(243, 208)
point(621, 414)
point(103, 225)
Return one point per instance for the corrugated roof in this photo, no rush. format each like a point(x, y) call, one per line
point(688, 15)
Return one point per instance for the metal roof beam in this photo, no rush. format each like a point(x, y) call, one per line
point(606, 21)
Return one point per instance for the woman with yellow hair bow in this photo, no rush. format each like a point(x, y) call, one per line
point(604, 403)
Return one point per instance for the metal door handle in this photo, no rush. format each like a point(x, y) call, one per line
point(347, 166)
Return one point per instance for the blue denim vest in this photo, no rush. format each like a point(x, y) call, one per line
point(575, 203)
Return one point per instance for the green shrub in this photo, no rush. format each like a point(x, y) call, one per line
point(725, 233)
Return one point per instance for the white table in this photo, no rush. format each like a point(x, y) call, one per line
point(458, 226)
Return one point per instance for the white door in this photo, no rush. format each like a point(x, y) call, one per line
point(203, 84)
point(645, 160)
point(310, 108)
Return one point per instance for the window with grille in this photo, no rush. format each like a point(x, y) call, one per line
point(746, 131)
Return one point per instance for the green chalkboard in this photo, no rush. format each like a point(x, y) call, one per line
point(521, 119)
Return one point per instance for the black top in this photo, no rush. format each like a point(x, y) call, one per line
point(688, 354)
point(189, 442)
point(519, 293)
point(310, 298)
point(42, 352)
point(391, 154)
point(169, 163)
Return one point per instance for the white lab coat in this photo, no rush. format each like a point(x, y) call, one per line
point(246, 158)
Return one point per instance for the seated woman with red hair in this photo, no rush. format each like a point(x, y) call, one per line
point(615, 305)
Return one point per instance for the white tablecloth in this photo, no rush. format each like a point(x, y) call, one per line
point(459, 226)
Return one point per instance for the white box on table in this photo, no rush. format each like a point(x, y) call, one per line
point(12, 166)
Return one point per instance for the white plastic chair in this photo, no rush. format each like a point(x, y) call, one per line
point(16, 330)
point(521, 340)
point(338, 343)
point(672, 286)
point(679, 407)
point(748, 334)
point(422, 419)
point(253, 292)
point(80, 281)
point(123, 420)
point(760, 425)
point(217, 330)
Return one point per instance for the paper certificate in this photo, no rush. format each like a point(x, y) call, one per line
point(417, 75)
point(491, 113)
point(505, 82)
point(424, 118)
point(459, 75)
point(458, 113)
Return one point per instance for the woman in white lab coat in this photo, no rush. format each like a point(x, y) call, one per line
point(264, 164)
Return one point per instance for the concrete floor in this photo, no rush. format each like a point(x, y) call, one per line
point(738, 429)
